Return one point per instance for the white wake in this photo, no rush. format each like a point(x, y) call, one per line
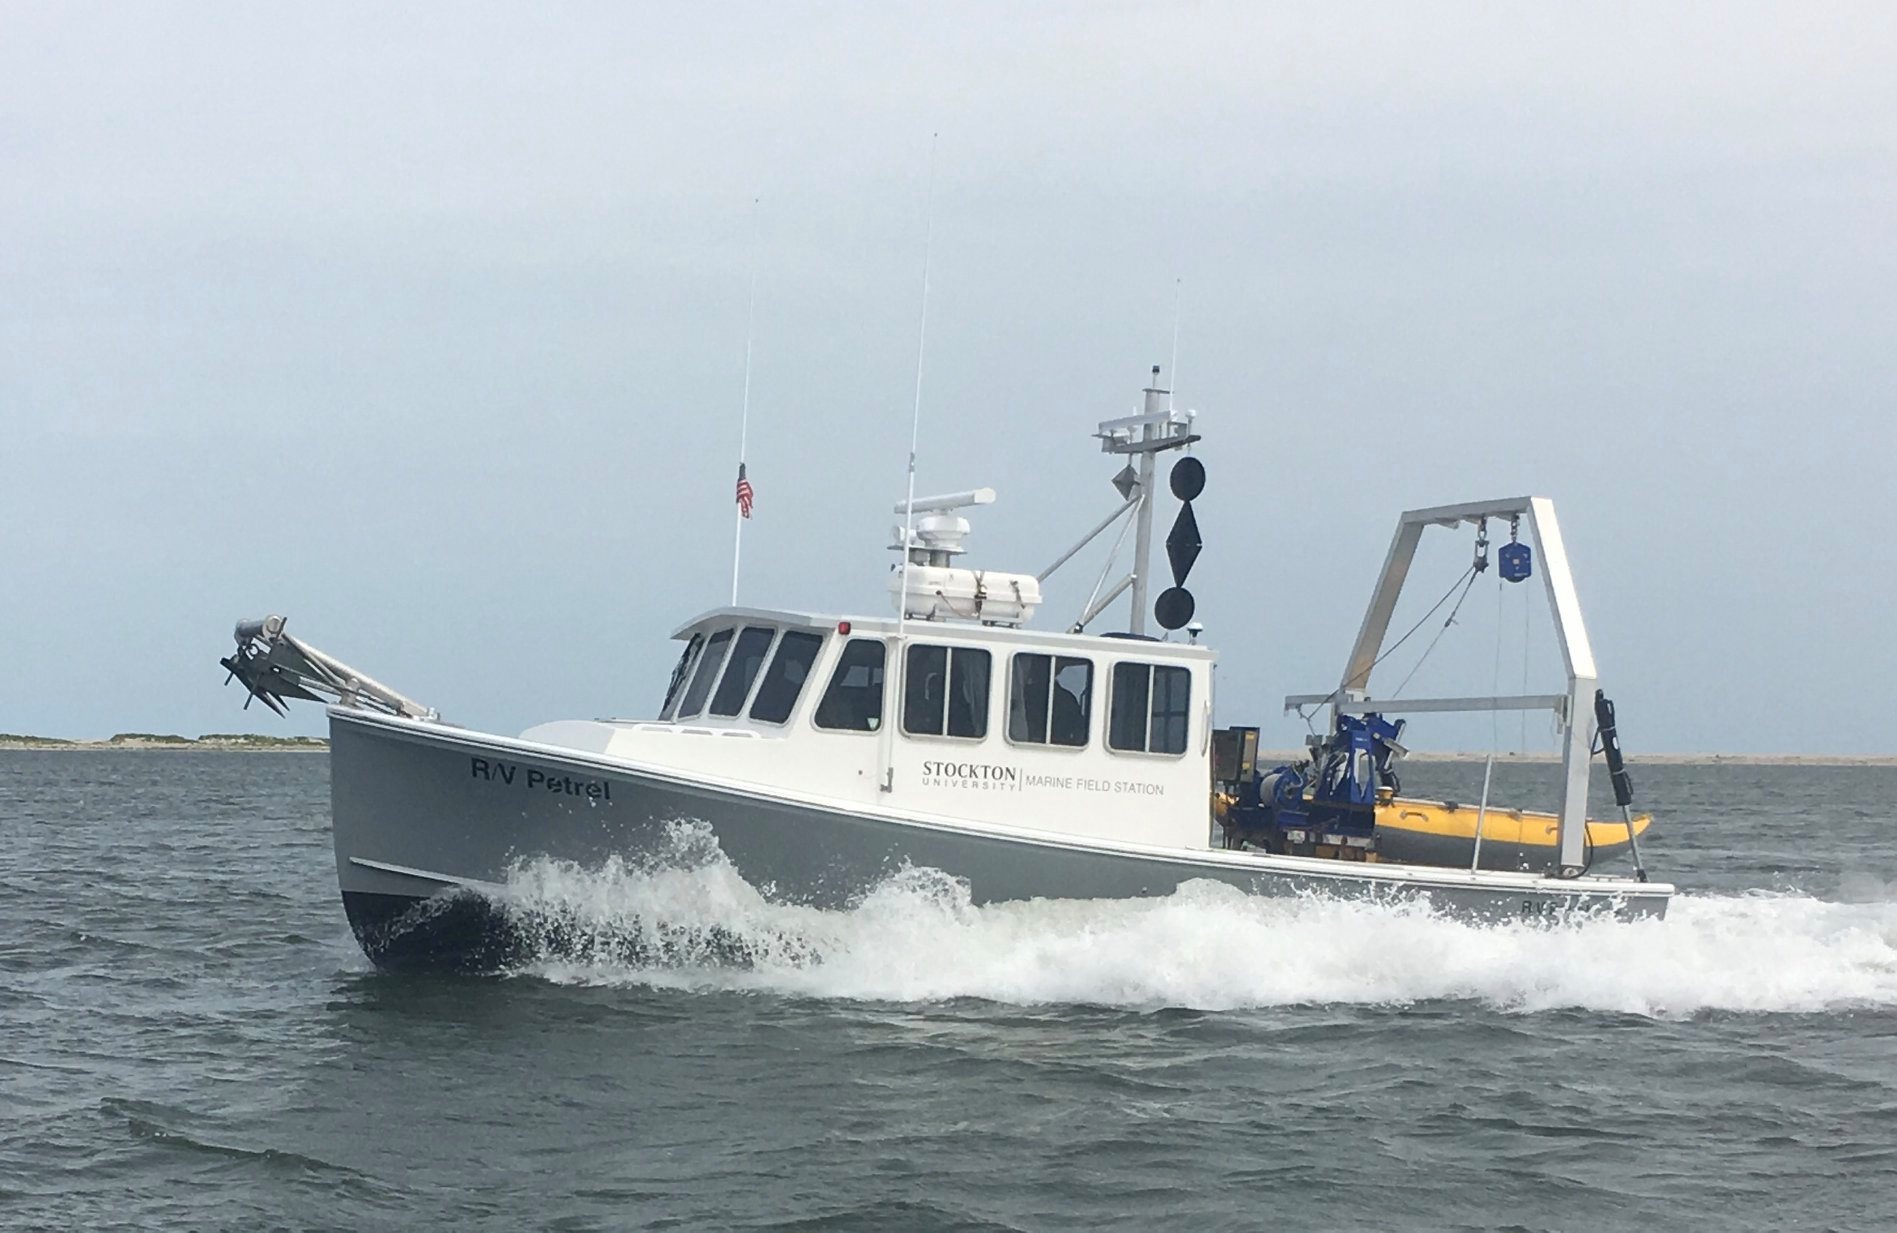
point(691, 922)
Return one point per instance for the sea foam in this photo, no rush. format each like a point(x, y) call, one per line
point(689, 921)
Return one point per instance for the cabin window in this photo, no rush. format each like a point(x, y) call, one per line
point(854, 700)
point(784, 679)
point(1050, 700)
point(945, 692)
point(1151, 708)
point(677, 683)
point(708, 665)
point(747, 657)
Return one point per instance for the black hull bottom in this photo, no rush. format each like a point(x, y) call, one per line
point(462, 931)
point(457, 932)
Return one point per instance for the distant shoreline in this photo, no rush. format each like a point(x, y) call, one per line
point(232, 742)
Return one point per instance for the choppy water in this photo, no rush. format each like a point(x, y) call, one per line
point(189, 1038)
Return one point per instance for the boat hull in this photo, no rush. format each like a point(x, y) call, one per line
point(429, 821)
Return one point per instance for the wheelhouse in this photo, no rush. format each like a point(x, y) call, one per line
point(784, 674)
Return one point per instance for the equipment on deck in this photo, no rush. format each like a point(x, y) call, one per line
point(273, 666)
point(1324, 805)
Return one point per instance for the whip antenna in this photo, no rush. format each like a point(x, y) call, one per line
point(915, 439)
point(1172, 367)
point(744, 415)
point(915, 411)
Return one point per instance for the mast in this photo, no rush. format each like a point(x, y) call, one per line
point(1156, 400)
point(1157, 428)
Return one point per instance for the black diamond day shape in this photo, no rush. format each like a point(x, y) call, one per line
point(1183, 544)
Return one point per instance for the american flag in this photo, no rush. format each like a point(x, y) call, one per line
point(744, 493)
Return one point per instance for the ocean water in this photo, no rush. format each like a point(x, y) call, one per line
point(190, 1039)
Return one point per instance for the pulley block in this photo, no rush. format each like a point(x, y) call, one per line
point(1515, 561)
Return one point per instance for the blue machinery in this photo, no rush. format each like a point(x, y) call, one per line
point(1324, 806)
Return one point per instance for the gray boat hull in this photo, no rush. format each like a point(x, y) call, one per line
point(428, 820)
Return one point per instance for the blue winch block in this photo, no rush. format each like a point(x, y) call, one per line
point(1342, 780)
point(1515, 561)
point(1346, 779)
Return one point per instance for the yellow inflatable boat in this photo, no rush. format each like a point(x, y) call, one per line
point(1443, 833)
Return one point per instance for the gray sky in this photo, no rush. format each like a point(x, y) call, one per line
point(425, 325)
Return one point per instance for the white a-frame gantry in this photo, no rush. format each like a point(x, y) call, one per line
point(1574, 709)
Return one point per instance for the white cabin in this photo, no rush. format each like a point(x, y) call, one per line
point(1081, 735)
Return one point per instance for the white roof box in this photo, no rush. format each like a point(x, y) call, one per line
point(949, 593)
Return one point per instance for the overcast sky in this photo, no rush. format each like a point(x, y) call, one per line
point(424, 326)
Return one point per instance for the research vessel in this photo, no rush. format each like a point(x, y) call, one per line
point(827, 751)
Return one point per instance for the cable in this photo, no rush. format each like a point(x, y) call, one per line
point(1333, 695)
point(1423, 658)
